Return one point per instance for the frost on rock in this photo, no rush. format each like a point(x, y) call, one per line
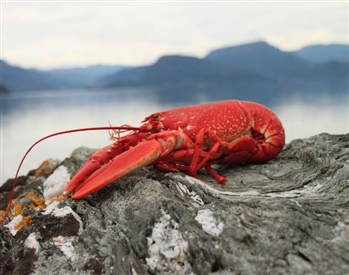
point(209, 223)
point(66, 246)
point(55, 184)
point(51, 207)
point(191, 194)
point(167, 248)
point(210, 189)
point(13, 224)
point(309, 190)
point(341, 232)
point(32, 242)
point(61, 212)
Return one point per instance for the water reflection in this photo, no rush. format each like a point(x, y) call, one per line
point(27, 118)
point(303, 118)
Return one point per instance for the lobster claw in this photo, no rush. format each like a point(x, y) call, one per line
point(143, 154)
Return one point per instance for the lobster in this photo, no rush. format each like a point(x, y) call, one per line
point(183, 139)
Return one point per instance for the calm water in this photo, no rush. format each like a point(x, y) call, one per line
point(25, 119)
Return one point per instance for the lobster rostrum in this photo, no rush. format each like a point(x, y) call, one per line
point(185, 139)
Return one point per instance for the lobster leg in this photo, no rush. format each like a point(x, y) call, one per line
point(199, 157)
point(169, 150)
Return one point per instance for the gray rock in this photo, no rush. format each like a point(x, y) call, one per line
point(288, 216)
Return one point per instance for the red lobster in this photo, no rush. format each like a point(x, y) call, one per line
point(182, 139)
point(186, 139)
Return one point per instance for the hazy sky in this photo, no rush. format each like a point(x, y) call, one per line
point(52, 34)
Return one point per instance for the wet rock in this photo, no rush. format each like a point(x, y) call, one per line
point(288, 216)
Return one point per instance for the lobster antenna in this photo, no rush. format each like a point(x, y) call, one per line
point(8, 208)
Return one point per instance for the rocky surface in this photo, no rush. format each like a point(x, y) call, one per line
point(288, 216)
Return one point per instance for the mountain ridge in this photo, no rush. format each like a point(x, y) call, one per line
point(321, 53)
point(253, 68)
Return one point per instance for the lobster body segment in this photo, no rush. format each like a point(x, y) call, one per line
point(186, 139)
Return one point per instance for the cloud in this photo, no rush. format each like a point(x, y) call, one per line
point(49, 34)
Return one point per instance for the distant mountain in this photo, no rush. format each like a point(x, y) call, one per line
point(258, 57)
point(3, 89)
point(19, 79)
point(126, 76)
point(176, 68)
point(324, 53)
point(254, 71)
point(177, 78)
point(83, 76)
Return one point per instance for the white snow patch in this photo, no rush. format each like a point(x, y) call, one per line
point(66, 246)
point(12, 225)
point(61, 212)
point(31, 242)
point(192, 194)
point(55, 183)
point(167, 248)
point(209, 223)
